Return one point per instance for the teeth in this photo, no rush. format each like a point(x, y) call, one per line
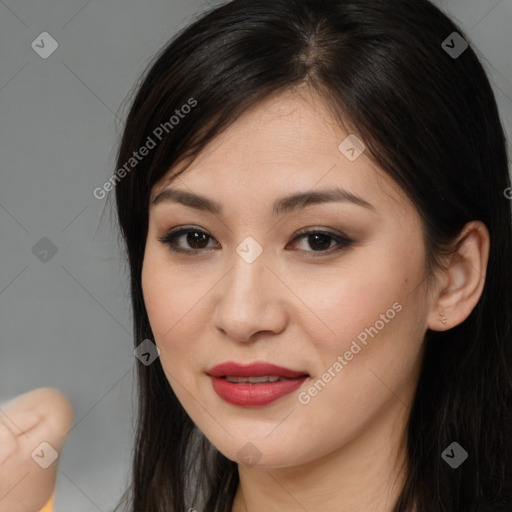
point(237, 379)
point(255, 380)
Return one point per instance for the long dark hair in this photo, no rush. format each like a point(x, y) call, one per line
point(428, 117)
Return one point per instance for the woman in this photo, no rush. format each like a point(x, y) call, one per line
point(260, 100)
point(383, 286)
point(313, 201)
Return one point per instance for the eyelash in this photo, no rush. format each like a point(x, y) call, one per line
point(170, 240)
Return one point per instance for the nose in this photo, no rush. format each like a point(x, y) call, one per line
point(251, 301)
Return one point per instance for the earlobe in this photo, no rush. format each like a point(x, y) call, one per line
point(463, 278)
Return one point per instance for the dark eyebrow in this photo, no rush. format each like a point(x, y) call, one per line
point(281, 206)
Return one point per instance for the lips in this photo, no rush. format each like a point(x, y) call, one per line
point(255, 384)
point(253, 370)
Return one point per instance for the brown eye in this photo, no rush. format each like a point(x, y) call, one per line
point(320, 241)
point(195, 240)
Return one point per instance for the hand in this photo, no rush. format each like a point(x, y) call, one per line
point(41, 415)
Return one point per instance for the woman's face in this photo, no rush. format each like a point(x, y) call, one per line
point(346, 307)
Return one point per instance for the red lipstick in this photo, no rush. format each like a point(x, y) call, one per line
point(255, 384)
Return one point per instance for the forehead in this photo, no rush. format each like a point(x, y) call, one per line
point(284, 126)
point(287, 143)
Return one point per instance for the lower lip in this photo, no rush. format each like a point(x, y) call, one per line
point(251, 395)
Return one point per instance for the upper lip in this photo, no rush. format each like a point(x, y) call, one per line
point(258, 369)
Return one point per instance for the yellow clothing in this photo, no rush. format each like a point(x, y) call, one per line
point(49, 506)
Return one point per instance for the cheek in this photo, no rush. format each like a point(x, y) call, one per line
point(167, 302)
point(372, 315)
point(175, 305)
point(346, 304)
point(368, 368)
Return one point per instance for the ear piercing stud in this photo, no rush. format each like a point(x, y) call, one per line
point(443, 319)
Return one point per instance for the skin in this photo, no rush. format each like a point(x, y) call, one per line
point(301, 308)
point(41, 415)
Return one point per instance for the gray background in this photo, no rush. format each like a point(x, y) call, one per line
point(66, 322)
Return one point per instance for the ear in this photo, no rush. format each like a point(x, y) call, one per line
point(461, 283)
